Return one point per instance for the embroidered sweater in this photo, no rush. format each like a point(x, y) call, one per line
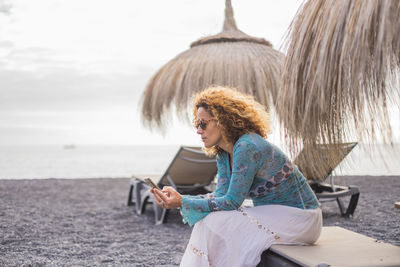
point(260, 171)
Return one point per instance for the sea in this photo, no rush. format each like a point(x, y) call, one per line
point(74, 161)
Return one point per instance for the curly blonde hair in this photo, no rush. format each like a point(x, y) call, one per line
point(236, 114)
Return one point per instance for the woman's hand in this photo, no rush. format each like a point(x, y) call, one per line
point(167, 198)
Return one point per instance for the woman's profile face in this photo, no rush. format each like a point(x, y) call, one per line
point(211, 134)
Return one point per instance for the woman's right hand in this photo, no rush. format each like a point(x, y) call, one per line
point(168, 198)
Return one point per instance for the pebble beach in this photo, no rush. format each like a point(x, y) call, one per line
point(86, 222)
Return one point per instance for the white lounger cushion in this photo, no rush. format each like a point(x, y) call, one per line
point(340, 247)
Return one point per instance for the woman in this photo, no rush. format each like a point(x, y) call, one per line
point(233, 126)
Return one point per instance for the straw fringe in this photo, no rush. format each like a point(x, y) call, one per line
point(251, 68)
point(340, 73)
point(230, 58)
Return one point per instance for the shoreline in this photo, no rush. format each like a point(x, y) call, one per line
point(156, 174)
point(73, 222)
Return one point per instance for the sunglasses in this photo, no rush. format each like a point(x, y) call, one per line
point(202, 123)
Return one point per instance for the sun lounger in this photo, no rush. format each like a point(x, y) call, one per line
point(335, 247)
point(190, 172)
point(333, 155)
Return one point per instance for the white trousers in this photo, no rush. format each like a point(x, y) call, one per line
point(238, 237)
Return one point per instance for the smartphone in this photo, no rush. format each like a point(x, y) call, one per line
point(150, 183)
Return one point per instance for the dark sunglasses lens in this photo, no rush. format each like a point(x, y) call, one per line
point(203, 125)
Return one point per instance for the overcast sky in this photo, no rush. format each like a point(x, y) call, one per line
point(73, 71)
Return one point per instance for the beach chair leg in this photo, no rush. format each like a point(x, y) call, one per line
point(130, 202)
point(143, 205)
point(341, 206)
point(166, 215)
point(159, 213)
point(352, 205)
point(140, 201)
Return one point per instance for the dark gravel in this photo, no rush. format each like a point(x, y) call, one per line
point(375, 215)
point(86, 222)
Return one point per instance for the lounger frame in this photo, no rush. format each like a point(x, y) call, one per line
point(330, 191)
point(190, 172)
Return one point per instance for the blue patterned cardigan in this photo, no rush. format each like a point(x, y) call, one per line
point(260, 171)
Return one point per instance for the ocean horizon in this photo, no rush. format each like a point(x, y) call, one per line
point(123, 161)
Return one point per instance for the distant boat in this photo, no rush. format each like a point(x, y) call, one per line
point(72, 146)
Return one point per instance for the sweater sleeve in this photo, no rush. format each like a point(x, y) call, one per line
point(223, 178)
point(246, 161)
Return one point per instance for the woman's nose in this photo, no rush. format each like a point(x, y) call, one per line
point(199, 130)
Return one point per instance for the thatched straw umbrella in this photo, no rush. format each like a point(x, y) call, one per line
point(230, 58)
point(341, 72)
